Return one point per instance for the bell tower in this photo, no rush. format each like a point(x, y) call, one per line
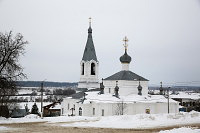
point(89, 64)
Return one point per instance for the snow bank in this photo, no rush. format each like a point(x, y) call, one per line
point(28, 118)
point(141, 121)
point(3, 128)
point(181, 130)
point(36, 118)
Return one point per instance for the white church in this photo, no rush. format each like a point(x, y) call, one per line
point(121, 93)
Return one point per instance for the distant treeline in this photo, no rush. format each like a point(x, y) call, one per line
point(178, 88)
point(46, 84)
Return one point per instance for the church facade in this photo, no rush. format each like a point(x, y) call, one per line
point(89, 65)
point(124, 92)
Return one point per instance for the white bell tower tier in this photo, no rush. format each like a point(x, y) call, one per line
point(89, 65)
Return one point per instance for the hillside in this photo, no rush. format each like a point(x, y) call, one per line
point(46, 84)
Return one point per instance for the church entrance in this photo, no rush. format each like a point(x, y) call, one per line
point(80, 111)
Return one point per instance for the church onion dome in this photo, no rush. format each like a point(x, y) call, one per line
point(102, 86)
point(125, 58)
point(90, 30)
point(139, 87)
point(116, 88)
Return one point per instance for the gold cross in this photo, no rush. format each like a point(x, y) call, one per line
point(125, 44)
point(90, 21)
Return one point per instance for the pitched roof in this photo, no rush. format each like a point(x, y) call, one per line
point(81, 94)
point(125, 75)
point(89, 52)
point(78, 95)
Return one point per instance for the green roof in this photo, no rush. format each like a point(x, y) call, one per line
point(89, 52)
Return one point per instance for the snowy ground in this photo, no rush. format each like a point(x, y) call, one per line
point(140, 121)
point(2, 128)
point(182, 130)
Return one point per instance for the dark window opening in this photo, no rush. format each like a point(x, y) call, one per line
point(93, 111)
point(80, 111)
point(82, 69)
point(102, 112)
point(92, 69)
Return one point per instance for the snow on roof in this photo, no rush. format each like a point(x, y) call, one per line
point(56, 106)
point(109, 98)
point(187, 95)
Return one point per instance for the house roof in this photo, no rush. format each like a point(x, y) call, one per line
point(18, 113)
point(51, 105)
point(81, 94)
point(185, 95)
point(77, 95)
point(125, 75)
point(89, 52)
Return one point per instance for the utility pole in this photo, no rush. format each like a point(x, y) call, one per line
point(42, 85)
point(168, 98)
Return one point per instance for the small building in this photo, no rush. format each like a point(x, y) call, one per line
point(188, 101)
point(53, 109)
point(17, 113)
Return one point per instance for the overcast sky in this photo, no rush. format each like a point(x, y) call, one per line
point(164, 37)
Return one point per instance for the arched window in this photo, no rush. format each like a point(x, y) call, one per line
point(82, 69)
point(102, 112)
point(92, 69)
point(80, 111)
point(109, 90)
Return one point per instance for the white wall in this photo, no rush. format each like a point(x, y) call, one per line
point(111, 108)
point(126, 87)
point(87, 80)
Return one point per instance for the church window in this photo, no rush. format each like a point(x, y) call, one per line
point(82, 69)
point(62, 110)
point(109, 90)
point(102, 112)
point(80, 111)
point(93, 111)
point(92, 69)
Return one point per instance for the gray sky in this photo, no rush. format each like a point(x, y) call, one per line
point(164, 37)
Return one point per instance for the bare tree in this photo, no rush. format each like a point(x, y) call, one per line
point(121, 108)
point(11, 47)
